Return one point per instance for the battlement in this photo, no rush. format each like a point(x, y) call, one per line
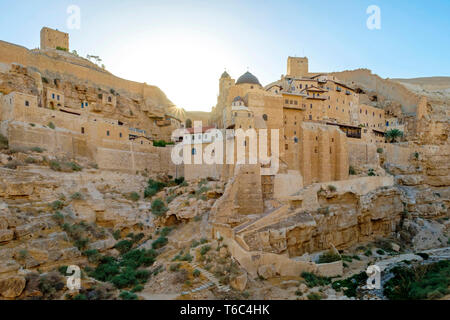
point(54, 39)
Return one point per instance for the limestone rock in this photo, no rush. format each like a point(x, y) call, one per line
point(6, 235)
point(266, 271)
point(303, 288)
point(395, 247)
point(12, 287)
point(102, 245)
point(239, 283)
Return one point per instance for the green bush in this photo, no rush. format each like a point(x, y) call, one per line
point(313, 280)
point(380, 150)
point(329, 257)
point(77, 196)
point(116, 234)
point(37, 149)
point(332, 188)
point(371, 173)
point(179, 181)
point(350, 284)
point(351, 171)
point(124, 246)
point(431, 281)
point(125, 295)
point(204, 250)
point(80, 296)
point(314, 296)
point(160, 242)
point(133, 196)
point(93, 255)
point(196, 273)
point(57, 205)
point(55, 165)
point(51, 125)
point(4, 144)
point(158, 207)
point(153, 187)
point(138, 288)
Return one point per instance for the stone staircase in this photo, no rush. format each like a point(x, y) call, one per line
point(211, 278)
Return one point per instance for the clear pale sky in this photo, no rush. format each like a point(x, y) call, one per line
point(184, 46)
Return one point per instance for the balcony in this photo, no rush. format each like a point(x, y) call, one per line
point(317, 97)
point(347, 92)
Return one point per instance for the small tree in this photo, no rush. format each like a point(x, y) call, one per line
point(394, 134)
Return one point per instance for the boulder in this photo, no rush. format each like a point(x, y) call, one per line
point(239, 283)
point(6, 235)
point(102, 245)
point(266, 271)
point(12, 287)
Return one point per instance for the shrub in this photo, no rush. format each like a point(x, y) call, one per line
point(80, 296)
point(37, 149)
point(350, 284)
point(329, 257)
point(74, 166)
point(332, 188)
point(92, 255)
point(81, 243)
point(77, 196)
point(57, 205)
point(55, 165)
point(196, 273)
point(314, 296)
point(380, 150)
point(179, 181)
point(165, 231)
point(125, 295)
point(133, 196)
point(368, 253)
point(381, 252)
point(351, 171)
point(204, 250)
point(3, 142)
point(158, 207)
point(175, 267)
point(138, 288)
point(160, 242)
point(371, 173)
point(58, 217)
point(116, 234)
point(51, 125)
point(313, 280)
point(13, 164)
point(420, 282)
point(124, 246)
point(30, 160)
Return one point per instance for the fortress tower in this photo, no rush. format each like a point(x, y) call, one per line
point(297, 67)
point(53, 39)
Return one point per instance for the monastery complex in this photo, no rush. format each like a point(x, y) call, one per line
point(338, 174)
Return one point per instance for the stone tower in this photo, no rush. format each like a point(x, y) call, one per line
point(297, 67)
point(53, 39)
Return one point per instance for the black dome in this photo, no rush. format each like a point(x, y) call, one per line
point(248, 78)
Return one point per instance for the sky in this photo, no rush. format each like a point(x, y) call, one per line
point(184, 46)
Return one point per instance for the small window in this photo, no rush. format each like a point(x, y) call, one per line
point(82, 105)
point(107, 133)
point(27, 103)
point(58, 97)
point(194, 151)
point(53, 96)
point(82, 130)
point(109, 99)
point(295, 140)
point(120, 134)
point(265, 117)
point(310, 117)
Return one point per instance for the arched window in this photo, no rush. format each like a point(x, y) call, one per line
point(265, 117)
point(194, 151)
point(295, 140)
